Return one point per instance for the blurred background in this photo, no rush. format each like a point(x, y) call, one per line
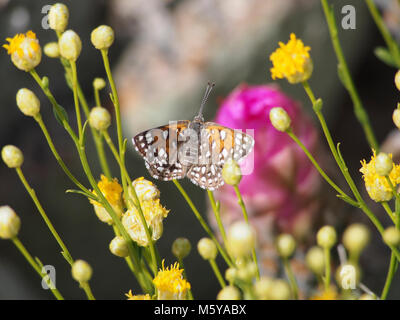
point(164, 54)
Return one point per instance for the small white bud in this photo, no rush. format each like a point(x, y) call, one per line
point(356, 237)
point(51, 50)
point(12, 156)
point(70, 45)
point(280, 119)
point(383, 164)
point(81, 271)
point(285, 245)
point(58, 17)
point(28, 102)
point(102, 37)
point(9, 223)
point(229, 293)
point(119, 247)
point(326, 237)
point(99, 83)
point(99, 118)
point(391, 236)
point(240, 239)
point(207, 249)
point(231, 172)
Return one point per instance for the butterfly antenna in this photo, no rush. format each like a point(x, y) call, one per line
point(209, 88)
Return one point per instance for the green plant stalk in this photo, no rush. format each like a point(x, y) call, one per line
point(39, 120)
point(104, 54)
point(359, 110)
point(196, 212)
point(86, 287)
point(76, 99)
point(343, 168)
point(292, 278)
point(38, 205)
point(389, 211)
point(34, 265)
point(327, 278)
point(180, 260)
point(82, 155)
point(137, 204)
point(217, 273)
point(217, 216)
point(390, 276)
point(246, 218)
point(391, 44)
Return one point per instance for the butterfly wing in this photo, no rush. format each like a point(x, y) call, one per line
point(206, 176)
point(159, 148)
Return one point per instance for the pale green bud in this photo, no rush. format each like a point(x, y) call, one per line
point(279, 290)
point(181, 248)
point(102, 37)
point(12, 156)
point(262, 288)
point(58, 17)
point(326, 237)
point(99, 118)
point(280, 119)
point(229, 293)
point(391, 236)
point(356, 237)
point(51, 50)
point(285, 245)
point(383, 164)
point(231, 172)
point(81, 271)
point(396, 117)
point(99, 83)
point(240, 239)
point(9, 223)
point(207, 249)
point(397, 80)
point(70, 45)
point(119, 247)
point(28, 102)
point(315, 260)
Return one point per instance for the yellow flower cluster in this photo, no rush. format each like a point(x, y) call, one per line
point(170, 283)
point(24, 50)
point(112, 191)
point(131, 296)
point(291, 61)
point(377, 186)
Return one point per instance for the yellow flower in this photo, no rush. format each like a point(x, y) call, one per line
point(154, 213)
point(24, 50)
point(170, 283)
point(377, 186)
point(112, 191)
point(131, 296)
point(330, 294)
point(291, 61)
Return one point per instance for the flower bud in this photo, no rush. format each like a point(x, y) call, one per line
point(247, 272)
point(285, 245)
point(391, 236)
point(279, 290)
point(280, 119)
point(207, 249)
point(231, 274)
point(99, 118)
point(240, 239)
point(145, 189)
point(119, 247)
point(397, 80)
point(231, 172)
point(99, 83)
point(102, 37)
point(383, 164)
point(27, 102)
point(70, 45)
point(229, 293)
point(356, 237)
point(181, 248)
point(262, 288)
point(81, 271)
point(58, 17)
point(12, 156)
point(51, 50)
point(326, 237)
point(9, 223)
point(396, 117)
point(315, 260)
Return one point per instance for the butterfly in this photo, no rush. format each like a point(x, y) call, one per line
point(194, 149)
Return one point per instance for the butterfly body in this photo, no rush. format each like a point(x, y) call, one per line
point(193, 149)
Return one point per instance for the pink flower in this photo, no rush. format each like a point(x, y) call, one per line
point(282, 189)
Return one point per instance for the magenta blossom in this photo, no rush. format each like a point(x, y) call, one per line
point(282, 189)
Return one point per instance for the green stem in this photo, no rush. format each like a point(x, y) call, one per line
point(391, 44)
point(76, 99)
point(389, 211)
point(346, 78)
point(246, 218)
point(104, 54)
point(217, 216)
point(57, 156)
point(34, 265)
point(217, 273)
point(389, 277)
point(53, 231)
point(292, 278)
point(85, 286)
point(196, 212)
point(327, 278)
